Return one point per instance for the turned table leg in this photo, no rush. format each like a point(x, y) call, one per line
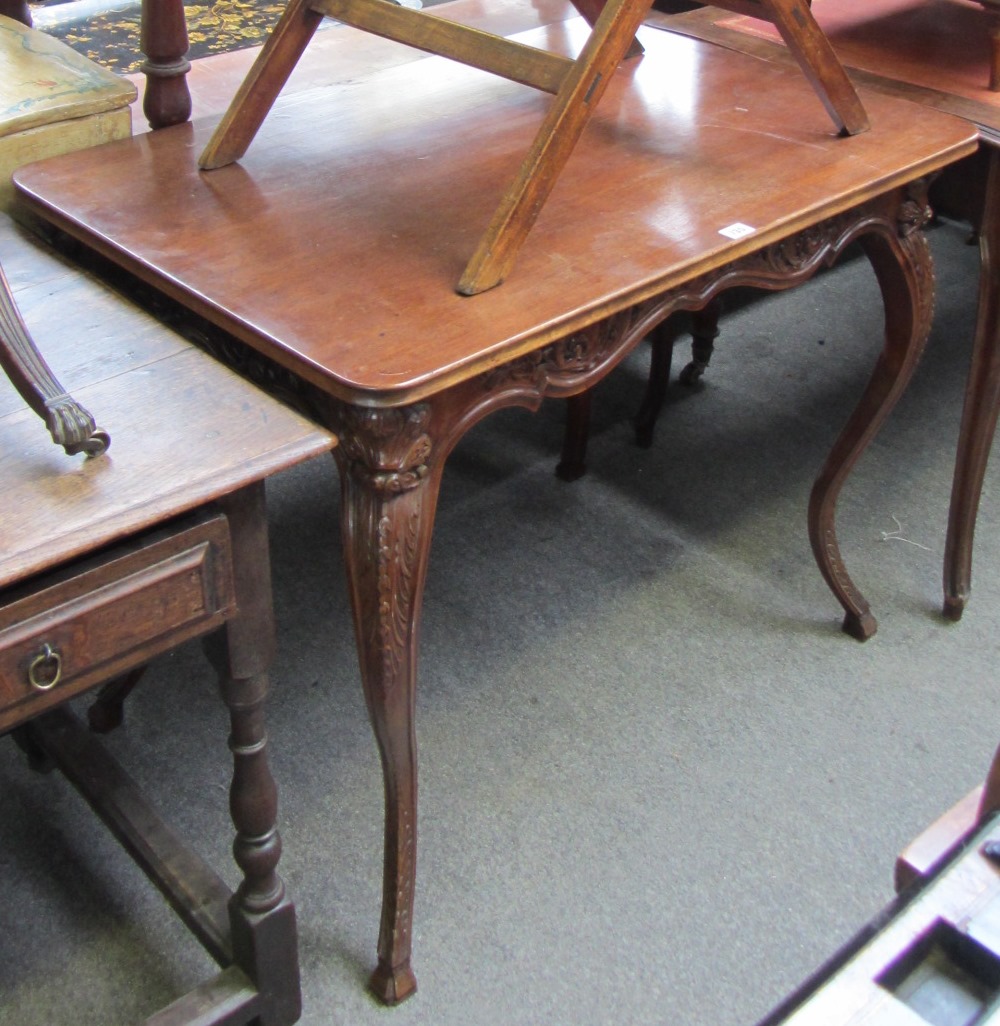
point(262, 917)
point(164, 41)
point(16, 9)
point(902, 265)
point(389, 495)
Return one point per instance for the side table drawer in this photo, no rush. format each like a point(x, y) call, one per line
point(88, 623)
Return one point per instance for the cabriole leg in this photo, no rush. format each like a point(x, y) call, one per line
point(902, 265)
point(389, 495)
point(979, 414)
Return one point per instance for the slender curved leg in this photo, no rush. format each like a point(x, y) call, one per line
point(389, 495)
point(979, 414)
point(167, 99)
point(661, 356)
point(704, 332)
point(262, 917)
point(905, 275)
point(573, 463)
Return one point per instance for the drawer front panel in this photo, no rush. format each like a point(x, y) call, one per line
point(88, 627)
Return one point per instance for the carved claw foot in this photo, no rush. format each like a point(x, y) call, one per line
point(393, 985)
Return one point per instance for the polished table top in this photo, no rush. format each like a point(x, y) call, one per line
point(335, 244)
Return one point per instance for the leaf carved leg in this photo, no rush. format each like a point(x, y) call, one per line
point(902, 265)
point(979, 414)
point(389, 494)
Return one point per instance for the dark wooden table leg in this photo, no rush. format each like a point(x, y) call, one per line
point(389, 495)
point(661, 340)
point(704, 332)
point(167, 100)
point(262, 917)
point(16, 9)
point(902, 265)
point(107, 712)
point(573, 463)
point(979, 414)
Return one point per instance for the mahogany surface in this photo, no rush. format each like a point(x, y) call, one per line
point(332, 250)
point(577, 86)
point(109, 561)
point(660, 173)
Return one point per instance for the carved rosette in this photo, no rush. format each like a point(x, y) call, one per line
point(914, 211)
point(386, 448)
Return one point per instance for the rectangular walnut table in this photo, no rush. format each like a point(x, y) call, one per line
point(330, 254)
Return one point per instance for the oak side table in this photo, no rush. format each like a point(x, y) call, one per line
point(110, 561)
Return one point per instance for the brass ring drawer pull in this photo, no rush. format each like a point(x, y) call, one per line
point(45, 669)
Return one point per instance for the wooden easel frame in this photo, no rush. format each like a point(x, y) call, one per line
point(577, 86)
